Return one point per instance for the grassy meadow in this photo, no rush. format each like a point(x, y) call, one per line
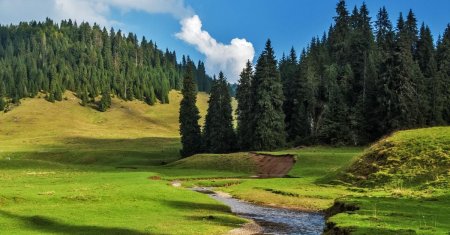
point(68, 169)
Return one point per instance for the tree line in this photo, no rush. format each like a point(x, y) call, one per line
point(358, 82)
point(49, 58)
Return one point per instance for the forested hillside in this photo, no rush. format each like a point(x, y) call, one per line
point(51, 58)
point(365, 78)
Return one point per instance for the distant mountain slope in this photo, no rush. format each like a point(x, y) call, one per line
point(52, 58)
point(37, 122)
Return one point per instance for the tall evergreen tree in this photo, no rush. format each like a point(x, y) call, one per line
point(299, 126)
point(2, 96)
point(403, 108)
point(385, 38)
point(443, 58)
point(430, 92)
point(268, 116)
point(105, 101)
point(218, 132)
point(288, 68)
point(364, 73)
point(335, 129)
point(189, 115)
point(244, 113)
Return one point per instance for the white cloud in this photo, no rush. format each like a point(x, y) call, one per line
point(229, 58)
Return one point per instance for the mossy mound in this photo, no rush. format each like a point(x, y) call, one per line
point(406, 158)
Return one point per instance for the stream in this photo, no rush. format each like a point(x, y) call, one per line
point(274, 220)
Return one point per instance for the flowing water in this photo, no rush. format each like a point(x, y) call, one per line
point(275, 220)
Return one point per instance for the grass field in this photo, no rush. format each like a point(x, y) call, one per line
point(68, 169)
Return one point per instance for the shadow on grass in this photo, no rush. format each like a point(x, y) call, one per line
point(152, 151)
point(197, 206)
point(211, 213)
point(45, 224)
point(229, 221)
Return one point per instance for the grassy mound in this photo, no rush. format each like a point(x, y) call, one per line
point(408, 158)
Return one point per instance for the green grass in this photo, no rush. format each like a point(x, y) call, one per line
point(314, 164)
point(410, 158)
point(68, 169)
point(54, 198)
point(407, 175)
point(315, 184)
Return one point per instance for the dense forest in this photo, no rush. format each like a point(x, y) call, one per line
point(358, 82)
point(49, 58)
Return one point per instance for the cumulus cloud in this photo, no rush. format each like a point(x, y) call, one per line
point(230, 58)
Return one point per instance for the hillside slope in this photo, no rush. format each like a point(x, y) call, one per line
point(409, 157)
point(66, 131)
point(37, 117)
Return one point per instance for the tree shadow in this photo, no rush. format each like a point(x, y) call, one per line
point(119, 152)
point(229, 221)
point(197, 206)
point(46, 224)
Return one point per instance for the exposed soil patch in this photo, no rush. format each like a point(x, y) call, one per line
point(268, 166)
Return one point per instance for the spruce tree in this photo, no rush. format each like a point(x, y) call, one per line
point(430, 91)
point(218, 132)
point(189, 115)
point(298, 127)
point(385, 38)
point(362, 47)
point(2, 96)
point(335, 129)
point(403, 108)
point(288, 68)
point(268, 116)
point(105, 101)
point(443, 58)
point(244, 113)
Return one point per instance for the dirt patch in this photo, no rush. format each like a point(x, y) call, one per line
point(154, 177)
point(271, 166)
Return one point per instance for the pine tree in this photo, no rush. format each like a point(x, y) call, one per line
point(268, 116)
point(430, 91)
point(288, 68)
point(443, 58)
point(362, 44)
point(244, 113)
point(403, 107)
point(340, 34)
point(385, 63)
point(299, 126)
point(105, 101)
point(335, 129)
point(189, 115)
point(218, 133)
point(2, 96)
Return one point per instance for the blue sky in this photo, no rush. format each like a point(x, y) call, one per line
point(287, 23)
